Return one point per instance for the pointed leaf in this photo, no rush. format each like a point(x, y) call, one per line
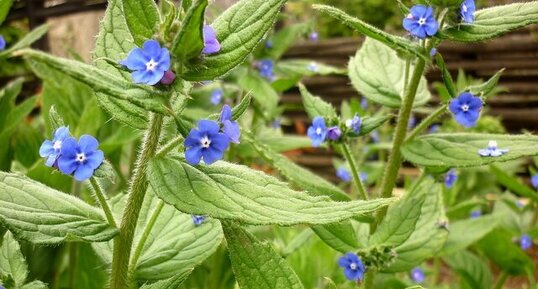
point(315, 106)
point(12, 261)
point(190, 39)
point(228, 191)
point(261, 91)
point(5, 5)
point(513, 184)
point(142, 18)
point(340, 236)
point(172, 283)
point(473, 271)
point(27, 40)
point(463, 233)
point(485, 88)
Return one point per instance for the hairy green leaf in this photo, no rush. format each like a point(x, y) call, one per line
point(41, 215)
point(239, 29)
point(513, 184)
point(190, 39)
point(142, 18)
point(256, 265)
point(27, 40)
point(172, 283)
point(12, 261)
point(340, 236)
point(315, 106)
point(370, 123)
point(493, 22)
point(487, 87)
point(228, 191)
point(261, 91)
point(394, 42)
point(379, 74)
point(285, 38)
point(301, 67)
point(463, 233)
point(5, 5)
point(474, 272)
point(35, 285)
point(461, 149)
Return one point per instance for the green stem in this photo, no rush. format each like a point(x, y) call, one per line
point(406, 75)
point(501, 280)
point(354, 171)
point(426, 122)
point(137, 191)
point(145, 235)
point(368, 282)
point(169, 146)
point(436, 270)
point(98, 190)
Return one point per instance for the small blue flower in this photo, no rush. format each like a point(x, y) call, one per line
point(314, 36)
point(266, 69)
point(51, 149)
point(334, 133)
point(525, 242)
point(2, 43)
point(411, 122)
point(450, 178)
point(312, 66)
point(80, 159)
point(148, 63)
point(434, 128)
point(216, 96)
point(417, 275)
point(229, 127)
point(355, 123)
point(363, 176)
point(475, 214)
point(206, 142)
point(467, 10)
point(211, 43)
point(198, 220)
point(534, 181)
point(421, 22)
point(364, 103)
point(317, 132)
point(353, 267)
point(268, 44)
point(492, 150)
point(466, 109)
point(375, 136)
point(343, 174)
point(276, 123)
point(433, 52)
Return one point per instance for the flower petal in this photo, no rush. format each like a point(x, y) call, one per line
point(136, 60)
point(212, 155)
point(88, 144)
point(67, 165)
point(46, 148)
point(83, 173)
point(208, 126)
point(193, 155)
point(226, 113)
point(231, 130)
point(152, 49)
point(95, 159)
point(70, 148)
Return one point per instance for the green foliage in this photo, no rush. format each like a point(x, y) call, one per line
point(12, 263)
point(315, 106)
point(142, 18)
point(473, 271)
point(463, 233)
point(190, 39)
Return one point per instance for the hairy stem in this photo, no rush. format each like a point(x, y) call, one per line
point(168, 147)
point(354, 171)
point(98, 190)
point(426, 122)
point(368, 282)
point(137, 190)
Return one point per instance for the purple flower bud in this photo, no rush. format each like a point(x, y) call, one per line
point(334, 133)
point(525, 242)
point(314, 36)
point(168, 77)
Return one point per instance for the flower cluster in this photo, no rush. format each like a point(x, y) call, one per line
point(211, 139)
point(318, 132)
point(79, 159)
point(353, 267)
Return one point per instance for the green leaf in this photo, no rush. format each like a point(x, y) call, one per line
point(174, 246)
point(190, 39)
point(256, 265)
point(100, 81)
point(340, 236)
point(394, 42)
point(429, 235)
point(41, 215)
point(228, 191)
point(297, 242)
point(5, 5)
point(114, 41)
point(261, 91)
point(447, 78)
point(285, 38)
point(474, 272)
point(400, 221)
point(315, 106)
point(499, 248)
point(27, 40)
point(239, 29)
point(12, 261)
point(35, 285)
point(487, 87)
point(84, 270)
point(513, 184)
point(379, 74)
point(172, 283)
point(370, 123)
point(461, 149)
point(493, 22)
point(300, 67)
point(464, 233)
point(142, 18)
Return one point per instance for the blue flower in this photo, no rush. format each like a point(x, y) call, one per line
point(312, 66)
point(534, 181)
point(466, 108)
point(216, 96)
point(434, 128)
point(317, 132)
point(266, 69)
point(492, 150)
point(343, 174)
point(334, 133)
point(2, 43)
point(51, 149)
point(268, 44)
point(417, 275)
point(353, 267)
point(229, 127)
point(433, 52)
point(211, 43)
point(467, 10)
point(206, 142)
point(148, 63)
point(411, 122)
point(421, 22)
point(364, 103)
point(363, 176)
point(198, 220)
point(355, 123)
point(375, 136)
point(450, 178)
point(475, 214)
point(314, 36)
point(276, 123)
point(525, 242)
point(80, 159)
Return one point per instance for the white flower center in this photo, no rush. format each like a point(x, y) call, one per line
point(409, 16)
point(81, 157)
point(464, 8)
point(318, 130)
point(205, 142)
point(353, 266)
point(492, 145)
point(422, 21)
point(465, 107)
point(57, 145)
point(151, 64)
point(349, 123)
